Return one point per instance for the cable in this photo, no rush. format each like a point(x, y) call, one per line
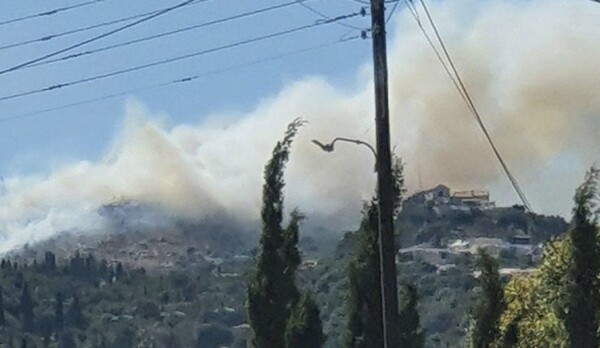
point(392, 12)
point(178, 58)
point(95, 38)
point(82, 29)
point(477, 115)
point(180, 80)
point(156, 36)
point(414, 12)
point(322, 15)
point(50, 13)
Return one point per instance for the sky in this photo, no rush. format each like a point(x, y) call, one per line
point(197, 150)
point(49, 140)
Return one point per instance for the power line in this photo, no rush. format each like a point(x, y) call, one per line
point(415, 14)
point(83, 29)
point(324, 16)
point(183, 80)
point(95, 38)
point(178, 58)
point(392, 12)
point(164, 34)
point(50, 13)
point(477, 115)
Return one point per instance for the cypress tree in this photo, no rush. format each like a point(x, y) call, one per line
point(74, 317)
point(485, 315)
point(581, 317)
point(364, 300)
point(2, 319)
point(272, 292)
point(66, 340)
point(364, 328)
point(26, 309)
point(411, 334)
point(59, 314)
point(304, 327)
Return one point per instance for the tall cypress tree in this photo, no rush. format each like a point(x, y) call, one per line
point(26, 309)
point(411, 334)
point(2, 319)
point(485, 315)
point(304, 328)
point(59, 318)
point(364, 296)
point(272, 292)
point(74, 316)
point(583, 299)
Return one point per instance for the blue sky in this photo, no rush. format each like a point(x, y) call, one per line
point(35, 144)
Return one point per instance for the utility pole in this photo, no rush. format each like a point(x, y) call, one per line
point(387, 248)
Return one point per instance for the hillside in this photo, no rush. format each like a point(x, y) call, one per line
point(181, 280)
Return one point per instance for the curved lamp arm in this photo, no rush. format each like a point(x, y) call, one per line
point(331, 146)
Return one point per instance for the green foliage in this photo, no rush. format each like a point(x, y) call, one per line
point(583, 297)
point(2, 318)
point(272, 292)
point(304, 327)
point(213, 336)
point(485, 316)
point(411, 334)
point(59, 318)
point(74, 317)
point(364, 293)
point(26, 309)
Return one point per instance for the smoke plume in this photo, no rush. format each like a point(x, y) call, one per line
point(532, 68)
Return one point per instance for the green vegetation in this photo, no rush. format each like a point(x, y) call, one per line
point(273, 298)
point(583, 290)
point(304, 327)
point(486, 314)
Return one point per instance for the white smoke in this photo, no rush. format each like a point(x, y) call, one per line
point(533, 71)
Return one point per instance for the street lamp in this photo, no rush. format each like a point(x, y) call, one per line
point(330, 147)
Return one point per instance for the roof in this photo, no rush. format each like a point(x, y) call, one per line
point(471, 194)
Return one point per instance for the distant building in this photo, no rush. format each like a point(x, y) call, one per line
point(472, 198)
point(520, 239)
point(438, 194)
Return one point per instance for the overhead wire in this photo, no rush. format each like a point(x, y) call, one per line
point(98, 37)
point(82, 29)
point(322, 15)
point(392, 12)
point(477, 115)
point(50, 12)
point(415, 15)
point(179, 81)
point(178, 58)
point(168, 33)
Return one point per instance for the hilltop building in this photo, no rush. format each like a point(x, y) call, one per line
point(442, 195)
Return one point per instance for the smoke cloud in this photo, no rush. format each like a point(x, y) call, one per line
point(532, 68)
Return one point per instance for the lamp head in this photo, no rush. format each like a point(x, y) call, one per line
point(324, 147)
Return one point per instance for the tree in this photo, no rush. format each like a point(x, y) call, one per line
point(304, 327)
point(58, 313)
point(583, 297)
point(66, 340)
point(74, 317)
point(411, 334)
point(272, 292)
point(364, 328)
point(213, 336)
point(2, 319)
point(26, 309)
point(485, 316)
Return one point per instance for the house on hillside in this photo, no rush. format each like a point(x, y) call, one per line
point(439, 194)
point(472, 198)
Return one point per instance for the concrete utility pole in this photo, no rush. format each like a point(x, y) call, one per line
point(387, 248)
